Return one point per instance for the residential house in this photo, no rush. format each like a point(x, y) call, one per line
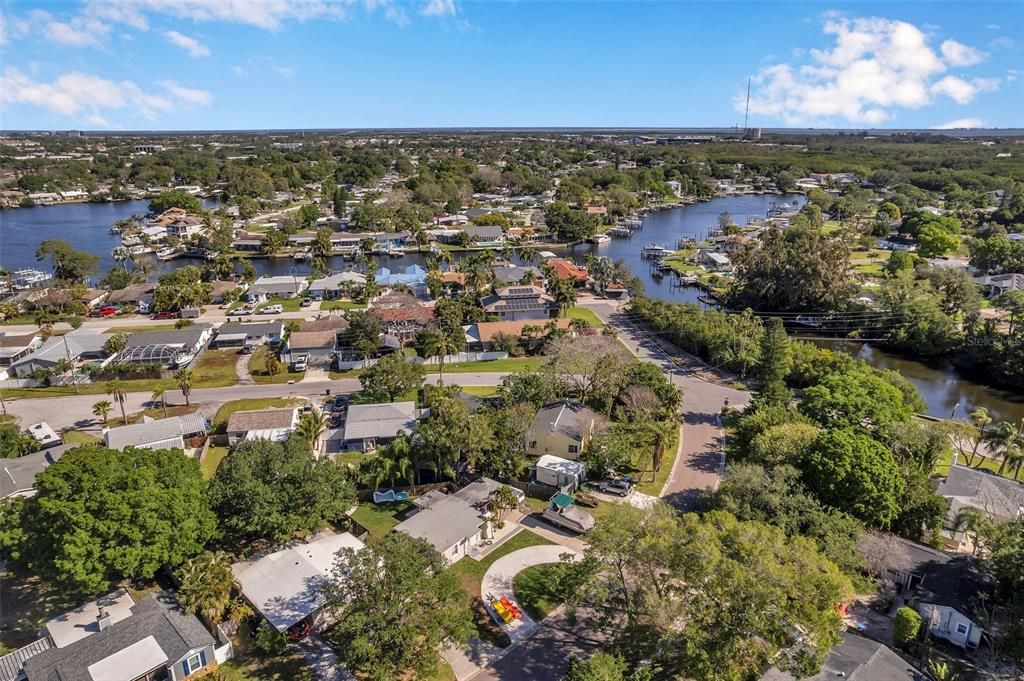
point(248, 242)
point(318, 346)
point(185, 227)
point(997, 498)
point(168, 347)
point(265, 288)
point(714, 261)
point(285, 587)
point(857, 659)
point(402, 314)
point(44, 434)
point(942, 587)
point(340, 285)
point(480, 336)
point(591, 209)
point(76, 346)
point(566, 269)
point(897, 243)
point(221, 287)
point(173, 432)
point(370, 425)
point(453, 523)
point(262, 424)
point(413, 276)
point(485, 235)
point(559, 472)
point(562, 428)
point(18, 475)
point(139, 296)
point(15, 346)
point(330, 322)
point(241, 334)
point(676, 187)
point(116, 639)
point(514, 274)
point(997, 284)
point(518, 303)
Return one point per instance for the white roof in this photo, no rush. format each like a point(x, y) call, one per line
point(556, 463)
point(285, 586)
point(129, 663)
point(379, 420)
point(78, 623)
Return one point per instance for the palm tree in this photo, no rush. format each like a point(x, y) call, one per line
point(206, 582)
point(116, 390)
point(564, 294)
point(1008, 443)
point(658, 433)
point(102, 409)
point(445, 256)
point(439, 344)
point(160, 395)
point(121, 255)
point(184, 379)
point(981, 420)
point(310, 427)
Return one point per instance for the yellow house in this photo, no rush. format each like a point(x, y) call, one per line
point(561, 428)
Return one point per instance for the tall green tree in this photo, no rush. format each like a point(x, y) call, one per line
point(205, 584)
point(70, 265)
point(774, 363)
point(394, 605)
point(390, 377)
point(102, 515)
point(278, 491)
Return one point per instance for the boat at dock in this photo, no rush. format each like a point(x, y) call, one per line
point(302, 255)
point(655, 251)
point(619, 231)
point(599, 239)
point(167, 254)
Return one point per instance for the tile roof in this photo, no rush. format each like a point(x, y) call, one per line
point(487, 330)
point(567, 270)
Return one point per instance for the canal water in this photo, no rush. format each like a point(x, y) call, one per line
point(87, 226)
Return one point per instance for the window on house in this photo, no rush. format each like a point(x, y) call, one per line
point(962, 629)
point(194, 663)
point(533, 444)
point(573, 449)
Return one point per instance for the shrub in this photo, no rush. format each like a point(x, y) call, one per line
point(906, 626)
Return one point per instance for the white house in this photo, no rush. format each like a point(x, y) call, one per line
point(558, 472)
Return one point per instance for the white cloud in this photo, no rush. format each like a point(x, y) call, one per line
point(118, 11)
point(82, 95)
point(81, 31)
point(286, 71)
point(12, 28)
point(1002, 43)
point(1013, 74)
point(961, 123)
point(186, 94)
point(239, 71)
point(439, 8)
point(958, 54)
point(267, 14)
point(189, 44)
point(875, 67)
point(993, 27)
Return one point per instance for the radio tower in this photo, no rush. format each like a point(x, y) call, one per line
point(746, 113)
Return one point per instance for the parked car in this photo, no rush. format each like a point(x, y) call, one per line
point(306, 302)
point(564, 513)
point(621, 486)
point(300, 362)
point(165, 315)
point(105, 312)
point(272, 309)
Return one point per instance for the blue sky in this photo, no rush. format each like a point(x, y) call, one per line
point(223, 64)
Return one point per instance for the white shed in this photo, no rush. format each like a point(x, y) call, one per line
point(558, 472)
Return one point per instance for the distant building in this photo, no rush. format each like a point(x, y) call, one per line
point(168, 433)
point(518, 303)
point(265, 288)
point(562, 428)
point(262, 424)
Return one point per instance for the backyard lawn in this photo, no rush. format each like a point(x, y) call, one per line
point(78, 437)
point(586, 315)
point(992, 465)
point(288, 304)
point(209, 465)
point(215, 369)
point(379, 519)
point(220, 420)
point(250, 665)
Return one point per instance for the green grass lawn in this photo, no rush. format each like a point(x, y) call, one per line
point(342, 305)
point(353, 458)
point(78, 437)
point(379, 519)
point(495, 365)
point(471, 572)
point(942, 467)
point(250, 665)
point(258, 370)
point(140, 327)
point(210, 463)
point(289, 304)
point(220, 419)
point(586, 315)
point(533, 590)
point(215, 369)
point(480, 390)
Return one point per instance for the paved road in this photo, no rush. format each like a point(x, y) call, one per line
point(698, 466)
point(75, 411)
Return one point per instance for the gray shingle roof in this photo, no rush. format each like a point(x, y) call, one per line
point(857, 659)
point(967, 487)
point(158, 616)
point(566, 417)
point(188, 336)
point(443, 523)
point(260, 419)
point(251, 329)
point(379, 420)
point(156, 432)
point(19, 475)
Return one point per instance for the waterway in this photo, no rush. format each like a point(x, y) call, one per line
point(87, 226)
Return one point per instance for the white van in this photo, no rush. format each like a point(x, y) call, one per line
point(272, 309)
